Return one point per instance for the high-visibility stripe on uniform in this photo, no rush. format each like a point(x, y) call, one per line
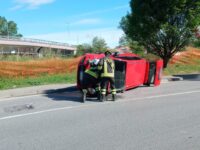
point(99, 67)
point(105, 72)
point(94, 74)
point(103, 91)
point(114, 91)
point(98, 88)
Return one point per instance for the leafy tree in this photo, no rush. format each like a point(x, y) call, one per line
point(164, 27)
point(196, 40)
point(196, 43)
point(99, 44)
point(8, 28)
point(84, 48)
point(124, 41)
point(133, 45)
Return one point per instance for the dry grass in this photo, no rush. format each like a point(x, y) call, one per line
point(55, 66)
point(184, 62)
point(37, 67)
point(189, 57)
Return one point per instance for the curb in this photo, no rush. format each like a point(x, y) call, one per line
point(181, 77)
point(36, 90)
point(172, 78)
point(176, 79)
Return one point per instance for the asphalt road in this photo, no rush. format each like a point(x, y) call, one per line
point(146, 118)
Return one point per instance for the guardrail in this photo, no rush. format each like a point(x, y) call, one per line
point(12, 38)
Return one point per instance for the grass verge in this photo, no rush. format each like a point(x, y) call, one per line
point(188, 62)
point(182, 69)
point(9, 83)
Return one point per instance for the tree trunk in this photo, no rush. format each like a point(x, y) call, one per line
point(165, 62)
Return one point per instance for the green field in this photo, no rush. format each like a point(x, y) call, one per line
point(182, 69)
point(9, 83)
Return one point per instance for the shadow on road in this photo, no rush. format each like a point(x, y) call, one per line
point(189, 77)
point(65, 94)
point(71, 94)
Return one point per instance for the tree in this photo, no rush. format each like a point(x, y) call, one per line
point(8, 28)
point(124, 41)
point(133, 45)
point(84, 48)
point(99, 44)
point(163, 27)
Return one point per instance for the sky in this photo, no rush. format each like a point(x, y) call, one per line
point(69, 21)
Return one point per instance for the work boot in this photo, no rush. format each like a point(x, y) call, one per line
point(113, 97)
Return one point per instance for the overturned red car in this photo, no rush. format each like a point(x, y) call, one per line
point(130, 70)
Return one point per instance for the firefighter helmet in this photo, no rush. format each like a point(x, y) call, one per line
point(108, 53)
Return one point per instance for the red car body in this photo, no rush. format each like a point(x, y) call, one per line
point(130, 70)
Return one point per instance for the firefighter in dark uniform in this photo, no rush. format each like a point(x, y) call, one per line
point(91, 78)
point(107, 68)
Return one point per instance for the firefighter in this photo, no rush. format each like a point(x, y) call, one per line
point(107, 67)
point(91, 77)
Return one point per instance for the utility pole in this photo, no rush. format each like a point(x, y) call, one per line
point(18, 54)
point(7, 30)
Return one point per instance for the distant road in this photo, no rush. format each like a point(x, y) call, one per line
point(146, 118)
point(17, 41)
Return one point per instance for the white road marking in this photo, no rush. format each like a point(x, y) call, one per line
point(165, 95)
point(40, 112)
point(88, 105)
